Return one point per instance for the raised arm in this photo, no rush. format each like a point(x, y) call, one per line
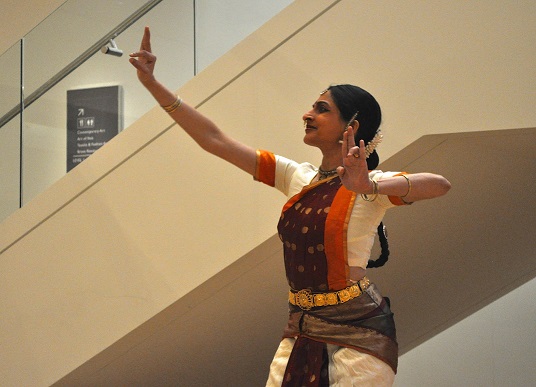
point(410, 187)
point(200, 128)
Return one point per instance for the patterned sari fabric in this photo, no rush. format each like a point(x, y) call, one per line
point(364, 323)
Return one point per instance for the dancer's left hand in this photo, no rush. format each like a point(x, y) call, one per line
point(354, 172)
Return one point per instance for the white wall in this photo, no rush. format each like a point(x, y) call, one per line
point(493, 347)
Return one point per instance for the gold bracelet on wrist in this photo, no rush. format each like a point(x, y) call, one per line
point(174, 106)
point(375, 192)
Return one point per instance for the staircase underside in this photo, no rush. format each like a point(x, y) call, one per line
point(449, 258)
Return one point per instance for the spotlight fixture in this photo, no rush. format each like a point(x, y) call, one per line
point(112, 49)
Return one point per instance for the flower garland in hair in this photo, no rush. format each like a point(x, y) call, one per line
point(369, 148)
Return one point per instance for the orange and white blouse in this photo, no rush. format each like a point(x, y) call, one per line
point(359, 218)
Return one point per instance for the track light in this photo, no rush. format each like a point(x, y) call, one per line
point(112, 49)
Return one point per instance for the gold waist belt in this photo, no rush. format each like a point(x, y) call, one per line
point(306, 299)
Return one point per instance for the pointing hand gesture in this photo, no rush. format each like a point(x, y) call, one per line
point(144, 60)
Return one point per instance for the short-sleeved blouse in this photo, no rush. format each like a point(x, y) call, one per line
point(291, 178)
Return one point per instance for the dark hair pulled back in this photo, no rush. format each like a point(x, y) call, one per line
point(350, 99)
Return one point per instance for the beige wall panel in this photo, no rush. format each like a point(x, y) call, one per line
point(435, 67)
point(150, 216)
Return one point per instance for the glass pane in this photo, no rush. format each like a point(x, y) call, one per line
point(9, 167)
point(172, 41)
point(67, 33)
point(10, 79)
point(77, 25)
point(221, 25)
point(10, 131)
point(45, 121)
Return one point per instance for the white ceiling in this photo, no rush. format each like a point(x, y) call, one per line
point(20, 17)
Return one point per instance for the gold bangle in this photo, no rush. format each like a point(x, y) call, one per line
point(375, 192)
point(409, 189)
point(174, 106)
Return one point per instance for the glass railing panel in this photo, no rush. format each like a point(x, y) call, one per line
point(10, 79)
point(172, 40)
point(75, 31)
point(45, 150)
point(68, 32)
point(221, 25)
point(9, 167)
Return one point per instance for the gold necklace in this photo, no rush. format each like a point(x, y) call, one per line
point(325, 174)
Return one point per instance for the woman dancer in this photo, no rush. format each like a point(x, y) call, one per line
point(340, 329)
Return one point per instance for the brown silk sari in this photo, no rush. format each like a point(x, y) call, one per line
point(313, 240)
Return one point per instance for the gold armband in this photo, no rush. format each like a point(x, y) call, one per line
point(409, 189)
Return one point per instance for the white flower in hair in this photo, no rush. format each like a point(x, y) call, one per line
point(369, 148)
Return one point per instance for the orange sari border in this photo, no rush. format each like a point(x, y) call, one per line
point(265, 167)
point(335, 241)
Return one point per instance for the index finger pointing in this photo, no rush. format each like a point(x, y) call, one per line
point(146, 40)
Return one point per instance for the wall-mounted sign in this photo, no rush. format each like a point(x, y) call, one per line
point(94, 117)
